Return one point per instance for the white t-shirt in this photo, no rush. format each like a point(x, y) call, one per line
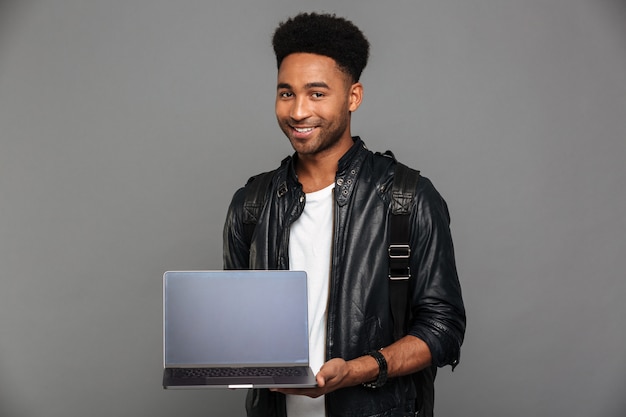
point(310, 245)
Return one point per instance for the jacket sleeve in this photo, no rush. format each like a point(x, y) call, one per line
point(438, 313)
point(236, 252)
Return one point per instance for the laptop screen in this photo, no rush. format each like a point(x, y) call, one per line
point(233, 318)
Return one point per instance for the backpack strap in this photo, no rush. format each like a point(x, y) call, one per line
point(402, 194)
point(403, 190)
point(256, 191)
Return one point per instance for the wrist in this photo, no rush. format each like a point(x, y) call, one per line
point(381, 378)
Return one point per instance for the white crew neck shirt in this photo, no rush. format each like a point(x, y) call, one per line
point(310, 245)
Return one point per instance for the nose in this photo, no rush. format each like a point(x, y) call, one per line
point(300, 109)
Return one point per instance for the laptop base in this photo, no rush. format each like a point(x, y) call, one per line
point(170, 381)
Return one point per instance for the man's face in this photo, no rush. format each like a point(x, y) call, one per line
point(314, 99)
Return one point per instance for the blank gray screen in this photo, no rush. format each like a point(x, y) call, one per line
point(235, 317)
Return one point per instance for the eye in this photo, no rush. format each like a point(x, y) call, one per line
point(317, 95)
point(285, 94)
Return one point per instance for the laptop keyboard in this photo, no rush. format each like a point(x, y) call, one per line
point(237, 372)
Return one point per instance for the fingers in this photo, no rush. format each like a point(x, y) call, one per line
point(309, 392)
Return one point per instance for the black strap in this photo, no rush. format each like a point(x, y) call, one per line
point(402, 193)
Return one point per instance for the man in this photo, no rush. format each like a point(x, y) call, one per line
point(326, 212)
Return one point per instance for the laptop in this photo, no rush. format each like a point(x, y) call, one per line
point(235, 329)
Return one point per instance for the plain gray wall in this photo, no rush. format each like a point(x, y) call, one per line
point(125, 127)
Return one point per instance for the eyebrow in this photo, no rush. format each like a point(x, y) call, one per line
point(316, 84)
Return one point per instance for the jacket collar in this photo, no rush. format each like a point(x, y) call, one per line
point(348, 170)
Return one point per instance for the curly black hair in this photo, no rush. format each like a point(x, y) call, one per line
point(323, 34)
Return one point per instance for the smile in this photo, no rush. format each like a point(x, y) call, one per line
point(303, 129)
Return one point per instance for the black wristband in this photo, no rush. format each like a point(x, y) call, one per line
point(382, 370)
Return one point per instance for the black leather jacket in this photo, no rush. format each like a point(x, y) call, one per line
point(359, 317)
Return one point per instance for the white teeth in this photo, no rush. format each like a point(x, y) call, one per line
point(304, 130)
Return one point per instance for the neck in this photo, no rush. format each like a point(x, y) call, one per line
point(318, 171)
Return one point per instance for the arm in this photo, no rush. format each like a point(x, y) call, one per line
point(437, 307)
point(405, 356)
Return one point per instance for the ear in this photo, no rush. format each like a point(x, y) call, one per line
point(355, 96)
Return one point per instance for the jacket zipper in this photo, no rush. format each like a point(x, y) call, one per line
point(331, 275)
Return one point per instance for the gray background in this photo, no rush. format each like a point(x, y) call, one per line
point(126, 126)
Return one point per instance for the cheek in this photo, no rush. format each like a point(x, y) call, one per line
point(279, 109)
point(339, 111)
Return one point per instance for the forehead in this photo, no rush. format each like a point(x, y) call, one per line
point(303, 68)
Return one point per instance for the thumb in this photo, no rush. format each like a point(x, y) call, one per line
point(321, 381)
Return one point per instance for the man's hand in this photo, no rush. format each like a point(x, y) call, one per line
point(333, 375)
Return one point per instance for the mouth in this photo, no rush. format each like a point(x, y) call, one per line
point(302, 132)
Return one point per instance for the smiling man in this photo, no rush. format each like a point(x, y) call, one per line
point(326, 212)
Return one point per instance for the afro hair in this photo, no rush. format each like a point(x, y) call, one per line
point(323, 34)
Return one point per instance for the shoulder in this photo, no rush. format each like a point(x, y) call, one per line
point(263, 179)
point(409, 181)
point(390, 172)
point(253, 194)
point(259, 181)
point(391, 168)
point(429, 206)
